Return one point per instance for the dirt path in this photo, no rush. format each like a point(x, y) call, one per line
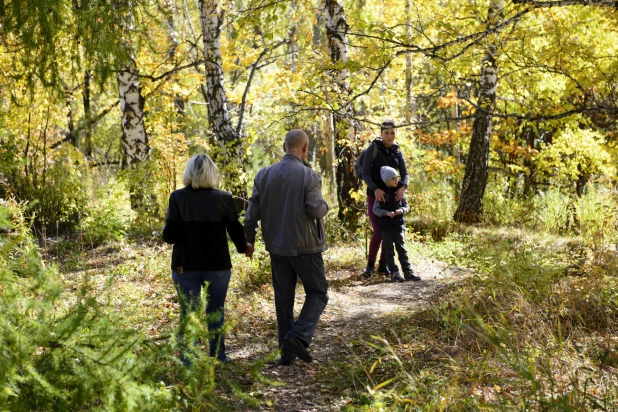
point(352, 313)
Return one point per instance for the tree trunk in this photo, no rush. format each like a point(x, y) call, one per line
point(134, 136)
point(230, 157)
point(73, 133)
point(87, 113)
point(345, 129)
point(135, 142)
point(470, 209)
point(410, 109)
point(330, 168)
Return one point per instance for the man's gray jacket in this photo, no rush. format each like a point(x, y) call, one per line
point(287, 198)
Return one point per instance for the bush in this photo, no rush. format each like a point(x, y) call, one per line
point(109, 215)
point(551, 211)
point(56, 192)
point(139, 180)
point(73, 352)
point(499, 208)
point(431, 201)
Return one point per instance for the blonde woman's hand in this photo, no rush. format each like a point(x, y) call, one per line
point(249, 251)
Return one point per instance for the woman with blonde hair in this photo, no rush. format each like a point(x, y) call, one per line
point(198, 218)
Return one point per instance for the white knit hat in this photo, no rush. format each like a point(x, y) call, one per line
point(387, 173)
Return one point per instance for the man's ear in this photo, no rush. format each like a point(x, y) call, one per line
point(285, 149)
point(306, 147)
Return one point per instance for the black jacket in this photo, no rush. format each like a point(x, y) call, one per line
point(385, 157)
point(196, 223)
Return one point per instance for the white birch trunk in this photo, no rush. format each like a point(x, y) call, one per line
point(218, 112)
point(229, 139)
point(343, 124)
point(329, 146)
point(134, 136)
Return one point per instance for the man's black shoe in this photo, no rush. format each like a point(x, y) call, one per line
point(225, 359)
point(294, 345)
point(286, 359)
point(284, 362)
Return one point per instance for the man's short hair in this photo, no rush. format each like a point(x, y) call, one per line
point(296, 139)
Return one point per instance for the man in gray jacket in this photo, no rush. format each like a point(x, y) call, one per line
point(287, 199)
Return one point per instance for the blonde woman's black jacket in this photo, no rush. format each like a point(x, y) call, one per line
point(196, 224)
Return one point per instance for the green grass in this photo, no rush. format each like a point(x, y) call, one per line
point(533, 328)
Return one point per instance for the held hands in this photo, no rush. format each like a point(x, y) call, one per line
point(249, 251)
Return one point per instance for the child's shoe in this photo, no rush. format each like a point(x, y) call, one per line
point(410, 275)
point(383, 268)
point(396, 277)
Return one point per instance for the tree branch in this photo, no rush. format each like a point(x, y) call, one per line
point(254, 67)
point(171, 72)
point(473, 38)
point(432, 51)
point(93, 120)
point(373, 83)
point(564, 3)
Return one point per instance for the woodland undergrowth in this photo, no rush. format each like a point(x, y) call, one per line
point(533, 327)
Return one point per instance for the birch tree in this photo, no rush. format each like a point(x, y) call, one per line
point(344, 128)
point(228, 137)
point(134, 135)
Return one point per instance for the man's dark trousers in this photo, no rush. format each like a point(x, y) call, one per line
point(310, 269)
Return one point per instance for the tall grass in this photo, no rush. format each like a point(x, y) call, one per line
point(596, 214)
point(533, 328)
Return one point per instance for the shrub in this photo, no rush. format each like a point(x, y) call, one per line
point(551, 211)
point(109, 214)
point(597, 216)
point(500, 208)
point(431, 200)
point(56, 190)
point(73, 352)
point(139, 180)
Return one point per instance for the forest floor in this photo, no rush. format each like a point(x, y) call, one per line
point(356, 310)
point(381, 344)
